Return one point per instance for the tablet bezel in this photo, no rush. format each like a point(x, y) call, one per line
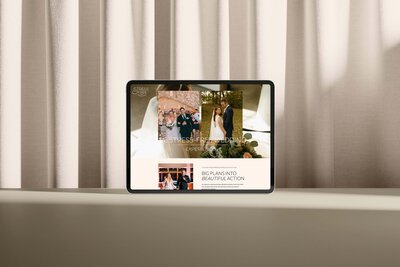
point(128, 136)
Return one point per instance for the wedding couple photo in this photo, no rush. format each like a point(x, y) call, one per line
point(222, 115)
point(175, 176)
point(179, 117)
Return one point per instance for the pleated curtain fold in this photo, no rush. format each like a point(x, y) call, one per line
point(64, 65)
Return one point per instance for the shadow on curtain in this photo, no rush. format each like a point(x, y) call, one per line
point(64, 66)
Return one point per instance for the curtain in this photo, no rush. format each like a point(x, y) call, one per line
point(64, 65)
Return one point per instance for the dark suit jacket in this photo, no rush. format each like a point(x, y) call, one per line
point(228, 119)
point(183, 182)
point(185, 129)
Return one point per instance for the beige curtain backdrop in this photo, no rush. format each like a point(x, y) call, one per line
point(64, 66)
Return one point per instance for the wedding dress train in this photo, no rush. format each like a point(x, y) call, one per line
point(172, 133)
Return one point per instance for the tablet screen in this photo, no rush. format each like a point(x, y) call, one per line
point(200, 136)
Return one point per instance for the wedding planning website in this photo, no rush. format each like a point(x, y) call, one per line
point(187, 137)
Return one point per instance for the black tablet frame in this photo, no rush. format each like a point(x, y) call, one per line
point(128, 136)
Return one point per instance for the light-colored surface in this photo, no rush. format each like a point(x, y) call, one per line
point(10, 95)
point(342, 227)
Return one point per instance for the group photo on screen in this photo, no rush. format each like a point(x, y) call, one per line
point(175, 176)
point(178, 116)
point(200, 120)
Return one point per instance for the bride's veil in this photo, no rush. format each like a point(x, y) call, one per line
point(144, 141)
point(212, 126)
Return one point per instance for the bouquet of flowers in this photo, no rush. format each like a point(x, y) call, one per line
point(170, 125)
point(233, 149)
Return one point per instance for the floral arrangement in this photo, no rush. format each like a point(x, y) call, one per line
point(233, 149)
point(170, 125)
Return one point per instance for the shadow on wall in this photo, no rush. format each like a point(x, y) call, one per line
point(344, 134)
point(388, 104)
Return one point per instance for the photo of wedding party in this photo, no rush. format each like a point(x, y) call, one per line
point(179, 116)
point(157, 119)
point(175, 176)
point(222, 115)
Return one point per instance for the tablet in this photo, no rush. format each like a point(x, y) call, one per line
point(200, 136)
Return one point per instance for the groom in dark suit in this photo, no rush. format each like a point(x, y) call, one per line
point(183, 181)
point(185, 125)
point(228, 118)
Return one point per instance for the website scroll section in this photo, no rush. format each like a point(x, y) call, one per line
point(222, 174)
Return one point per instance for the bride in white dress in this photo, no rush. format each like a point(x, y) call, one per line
point(168, 183)
point(144, 141)
point(217, 131)
point(172, 130)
